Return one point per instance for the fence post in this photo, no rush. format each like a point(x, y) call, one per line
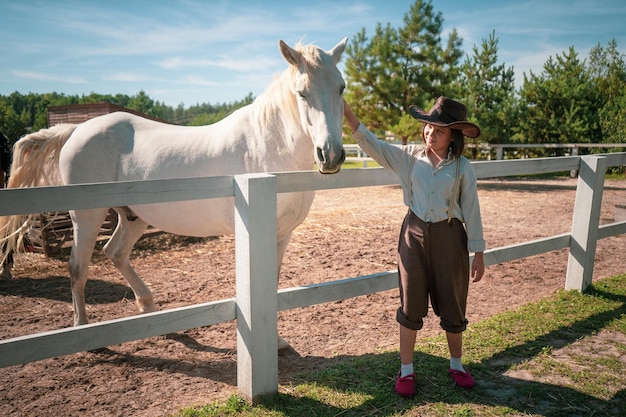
point(585, 222)
point(499, 152)
point(257, 285)
point(573, 172)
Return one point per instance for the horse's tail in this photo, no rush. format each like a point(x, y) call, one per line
point(35, 163)
point(36, 157)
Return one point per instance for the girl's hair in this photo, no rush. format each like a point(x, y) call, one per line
point(457, 145)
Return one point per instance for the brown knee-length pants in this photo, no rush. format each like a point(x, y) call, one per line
point(433, 261)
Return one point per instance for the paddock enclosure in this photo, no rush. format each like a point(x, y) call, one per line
point(350, 232)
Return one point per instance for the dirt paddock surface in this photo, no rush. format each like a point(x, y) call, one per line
point(348, 233)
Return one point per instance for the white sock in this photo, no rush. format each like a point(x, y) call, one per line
point(456, 364)
point(406, 369)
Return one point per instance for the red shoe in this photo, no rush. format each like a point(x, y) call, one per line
point(405, 386)
point(462, 379)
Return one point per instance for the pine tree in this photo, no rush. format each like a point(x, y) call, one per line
point(560, 105)
point(608, 73)
point(399, 67)
point(488, 91)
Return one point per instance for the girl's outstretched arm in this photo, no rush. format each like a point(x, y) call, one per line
point(352, 120)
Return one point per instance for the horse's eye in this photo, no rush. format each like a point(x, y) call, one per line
point(301, 94)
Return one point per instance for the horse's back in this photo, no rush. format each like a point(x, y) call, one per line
point(122, 146)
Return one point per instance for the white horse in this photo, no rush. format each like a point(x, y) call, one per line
point(297, 121)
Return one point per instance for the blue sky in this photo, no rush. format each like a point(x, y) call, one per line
point(192, 51)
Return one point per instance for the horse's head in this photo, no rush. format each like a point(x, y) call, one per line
point(318, 88)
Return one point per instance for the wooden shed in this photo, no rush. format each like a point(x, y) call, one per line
point(51, 231)
point(78, 113)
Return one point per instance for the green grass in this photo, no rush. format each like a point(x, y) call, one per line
point(359, 164)
point(561, 356)
point(616, 173)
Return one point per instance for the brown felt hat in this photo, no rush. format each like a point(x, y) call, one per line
point(447, 113)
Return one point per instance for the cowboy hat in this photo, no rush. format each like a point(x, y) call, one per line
point(447, 113)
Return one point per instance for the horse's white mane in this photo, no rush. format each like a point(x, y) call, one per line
point(280, 94)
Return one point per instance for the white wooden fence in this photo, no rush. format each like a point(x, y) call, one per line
point(258, 300)
point(572, 147)
point(355, 153)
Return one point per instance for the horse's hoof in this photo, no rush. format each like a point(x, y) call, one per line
point(6, 276)
point(146, 307)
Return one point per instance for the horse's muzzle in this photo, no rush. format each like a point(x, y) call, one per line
point(329, 162)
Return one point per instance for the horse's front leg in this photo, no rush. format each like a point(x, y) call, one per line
point(129, 229)
point(282, 247)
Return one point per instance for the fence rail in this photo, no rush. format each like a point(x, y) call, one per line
point(355, 153)
point(255, 204)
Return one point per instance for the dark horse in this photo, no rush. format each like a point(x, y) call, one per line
point(5, 164)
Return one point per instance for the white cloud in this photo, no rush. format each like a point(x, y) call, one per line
point(39, 76)
point(129, 77)
point(197, 80)
point(229, 62)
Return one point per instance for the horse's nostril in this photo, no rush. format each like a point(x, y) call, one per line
point(321, 156)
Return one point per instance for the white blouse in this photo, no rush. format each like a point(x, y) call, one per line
point(427, 189)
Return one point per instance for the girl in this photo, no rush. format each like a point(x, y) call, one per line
point(442, 226)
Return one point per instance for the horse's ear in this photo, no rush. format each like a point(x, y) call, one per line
point(337, 51)
point(291, 55)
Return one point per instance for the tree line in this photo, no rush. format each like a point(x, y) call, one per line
point(569, 101)
point(23, 113)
